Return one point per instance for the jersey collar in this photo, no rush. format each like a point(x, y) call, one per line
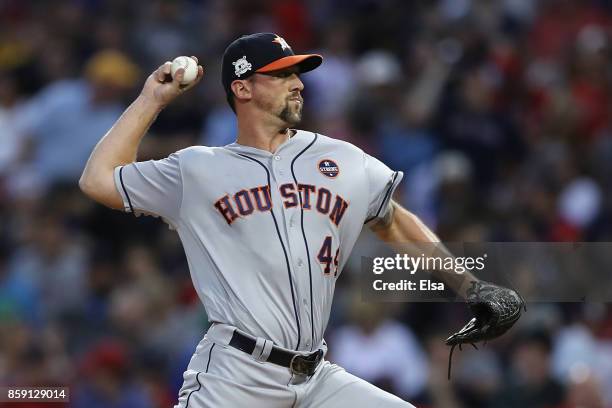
point(294, 142)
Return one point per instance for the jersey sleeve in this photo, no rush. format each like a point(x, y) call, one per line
point(153, 187)
point(382, 182)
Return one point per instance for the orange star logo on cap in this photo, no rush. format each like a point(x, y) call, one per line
point(281, 41)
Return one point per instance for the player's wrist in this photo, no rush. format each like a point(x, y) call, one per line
point(467, 282)
point(150, 103)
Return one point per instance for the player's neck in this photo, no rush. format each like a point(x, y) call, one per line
point(262, 137)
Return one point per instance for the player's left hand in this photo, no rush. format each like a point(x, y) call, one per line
point(495, 309)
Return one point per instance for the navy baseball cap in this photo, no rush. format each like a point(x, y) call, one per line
point(261, 52)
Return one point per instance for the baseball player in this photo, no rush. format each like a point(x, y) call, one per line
point(267, 224)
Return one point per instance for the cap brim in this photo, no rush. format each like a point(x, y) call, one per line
point(306, 63)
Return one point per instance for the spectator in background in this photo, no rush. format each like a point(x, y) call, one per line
point(17, 177)
point(166, 32)
point(331, 87)
point(11, 138)
point(407, 138)
point(531, 381)
point(589, 82)
point(471, 124)
point(379, 83)
point(585, 392)
point(582, 354)
point(15, 337)
point(55, 262)
point(391, 356)
point(66, 118)
point(18, 295)
point(479, 378)
point(452, 175)
point(107, 380)
point(220, 127)
point(439, 391)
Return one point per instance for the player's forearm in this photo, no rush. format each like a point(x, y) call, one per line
point(118, 147)
point(404, 231)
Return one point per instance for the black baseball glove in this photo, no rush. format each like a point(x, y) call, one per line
point(495, 309)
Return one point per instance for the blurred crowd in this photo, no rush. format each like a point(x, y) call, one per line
point(498, 112)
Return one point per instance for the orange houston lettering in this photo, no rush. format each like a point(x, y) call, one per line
point(323, 200)
point(261, 195)
point(305, 190)
point(225, 208)
point(244, 202)
point(287, 191)
point(338, 211)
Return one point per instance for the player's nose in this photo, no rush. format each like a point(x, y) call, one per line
point(296, 83)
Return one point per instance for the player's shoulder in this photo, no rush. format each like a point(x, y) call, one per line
point(331, 144)
point(198, 153)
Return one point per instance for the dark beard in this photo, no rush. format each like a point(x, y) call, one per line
point(289, 117)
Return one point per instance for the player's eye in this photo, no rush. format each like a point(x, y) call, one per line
point(281, 74)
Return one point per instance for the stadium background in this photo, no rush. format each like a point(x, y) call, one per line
point(498, 113)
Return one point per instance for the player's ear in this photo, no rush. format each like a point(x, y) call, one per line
point(242, 89)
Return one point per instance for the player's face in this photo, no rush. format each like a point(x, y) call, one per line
point(279, 93)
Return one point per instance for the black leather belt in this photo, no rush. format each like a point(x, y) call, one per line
point(298, 363)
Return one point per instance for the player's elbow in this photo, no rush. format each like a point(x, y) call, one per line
point(88, 185)
point(85, 185)
point(101, 190)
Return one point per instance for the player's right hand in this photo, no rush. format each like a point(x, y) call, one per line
point(160, 88)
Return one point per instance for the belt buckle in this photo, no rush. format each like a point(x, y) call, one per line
point(305, 364)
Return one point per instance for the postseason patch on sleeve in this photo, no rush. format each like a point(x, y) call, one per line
point(329, 168)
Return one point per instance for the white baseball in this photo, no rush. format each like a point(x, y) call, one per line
point(190, 67)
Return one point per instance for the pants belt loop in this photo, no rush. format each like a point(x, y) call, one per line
point(259, 346)
point(266, 350)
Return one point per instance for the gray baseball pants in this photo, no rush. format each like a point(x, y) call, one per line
point(221, 376)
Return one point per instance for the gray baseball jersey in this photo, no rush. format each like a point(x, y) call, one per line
point(266, 234)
